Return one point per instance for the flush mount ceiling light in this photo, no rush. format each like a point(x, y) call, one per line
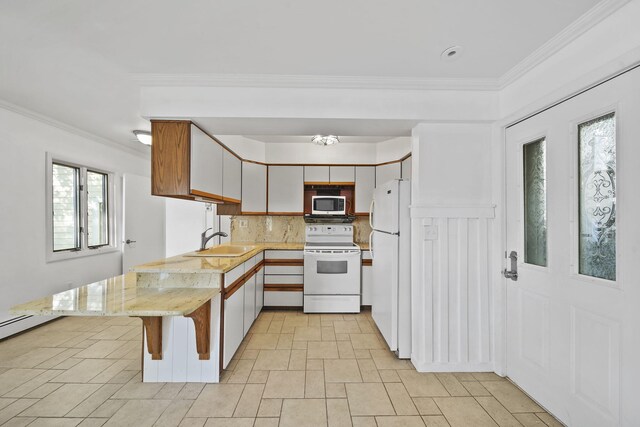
point(325, 139)
point(452, 53)
point(144, 136)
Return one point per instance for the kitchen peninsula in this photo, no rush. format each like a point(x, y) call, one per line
point(188, 335)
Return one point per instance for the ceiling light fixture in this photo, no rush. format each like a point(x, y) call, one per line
point(144, 136)
point(452, 53)
point(325, 140)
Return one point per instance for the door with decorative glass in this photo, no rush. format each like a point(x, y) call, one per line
point(573, 201)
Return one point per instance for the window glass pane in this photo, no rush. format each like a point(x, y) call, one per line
point(66, 212)
point(535, 203)
point(597, 145)
point(97, 217)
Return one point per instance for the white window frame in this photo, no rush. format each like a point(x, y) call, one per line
point(84, 250)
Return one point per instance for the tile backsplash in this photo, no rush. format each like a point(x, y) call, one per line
point(288, 229)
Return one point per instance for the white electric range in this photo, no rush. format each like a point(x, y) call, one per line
point(332, 266)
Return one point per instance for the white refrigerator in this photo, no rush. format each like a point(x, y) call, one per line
point(390, 244)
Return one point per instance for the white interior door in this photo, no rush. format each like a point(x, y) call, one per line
point(144, 223)
point(572, 178)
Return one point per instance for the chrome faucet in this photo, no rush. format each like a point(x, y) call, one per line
point(204, 239)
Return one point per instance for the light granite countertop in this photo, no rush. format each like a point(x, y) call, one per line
point(119, 296)
point(188, 264)
point(125, 296)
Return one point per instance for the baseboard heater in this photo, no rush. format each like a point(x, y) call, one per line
point(14, 320)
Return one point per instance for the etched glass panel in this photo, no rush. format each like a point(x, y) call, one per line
point(535, 202)
point(597, 147)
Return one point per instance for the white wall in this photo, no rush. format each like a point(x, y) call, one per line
point(322, 103)
point(393, 149)
point(451, 217)
point(246, 148)
point(311, 153)
point(605, 48)
point(25, 274)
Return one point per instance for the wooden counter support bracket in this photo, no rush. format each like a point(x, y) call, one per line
point(153, 331)
point(202, 321)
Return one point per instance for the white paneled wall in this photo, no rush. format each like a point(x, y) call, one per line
point(451, 288)
point(179, 333)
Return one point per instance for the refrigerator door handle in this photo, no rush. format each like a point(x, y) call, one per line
point(373, 201)
point(371, 244)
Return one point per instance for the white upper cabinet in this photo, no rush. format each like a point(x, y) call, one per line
point(232, 177)
point(206, 164)
point(254, 188)
point(316, 174)
point(286, 189)
point(365, 184)
point(342, 174)
point(406, 168)
point(385, 173)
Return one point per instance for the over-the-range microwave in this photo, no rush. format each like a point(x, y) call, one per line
point(328, 205)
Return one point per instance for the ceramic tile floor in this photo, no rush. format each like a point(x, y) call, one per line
point(291, 370)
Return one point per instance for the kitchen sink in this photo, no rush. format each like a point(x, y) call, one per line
point(223, 251)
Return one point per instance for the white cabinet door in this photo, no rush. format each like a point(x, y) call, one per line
point(385, 173)
point(206, 164)
point(406, 168)
point(232, 177)
point(259, 291)
point(316, 174)
point(365, 184)
point(341, 174)
point(249, 303)
point(367, 280)
point(254, 188)
point(233, 324)
point(286, 189)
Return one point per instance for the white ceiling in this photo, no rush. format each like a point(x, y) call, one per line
point(72, 60)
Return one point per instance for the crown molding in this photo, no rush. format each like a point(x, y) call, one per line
point(140, 151)
point(588, 20)
point(314, 82)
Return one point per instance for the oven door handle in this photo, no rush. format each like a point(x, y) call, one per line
point(332, 253)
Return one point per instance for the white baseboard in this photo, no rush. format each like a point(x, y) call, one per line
point(452, 367)
point(23, 324)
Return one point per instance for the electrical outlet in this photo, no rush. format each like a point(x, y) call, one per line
point(243, 223)
point(430, 232)
point(269, 223)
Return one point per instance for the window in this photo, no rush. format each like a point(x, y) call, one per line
point(80, 218)
point(535, 202)
point(597, 197)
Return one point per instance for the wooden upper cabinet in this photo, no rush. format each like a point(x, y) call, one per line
point(341, 174)
point(254, 188)
point(185, 162)
point(317, 174)
point(387, 172)
point(232, 177)
point(365, 184)
point(286, 189)
point(406, 168)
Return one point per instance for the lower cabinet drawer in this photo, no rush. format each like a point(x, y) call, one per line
point(284, 269)
point(288, 279)
point(282, 299)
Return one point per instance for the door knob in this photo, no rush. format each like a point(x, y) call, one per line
point(129, 241)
